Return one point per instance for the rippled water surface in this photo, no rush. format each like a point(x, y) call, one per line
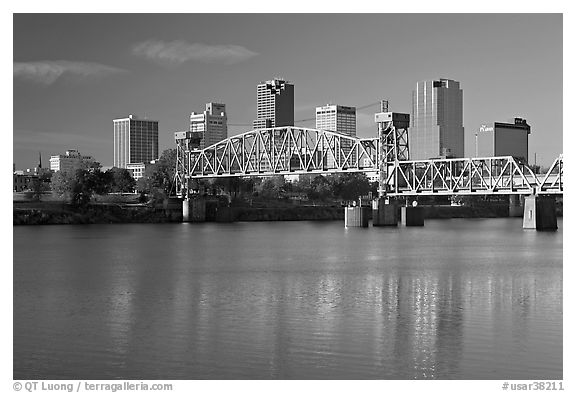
point(456, 299)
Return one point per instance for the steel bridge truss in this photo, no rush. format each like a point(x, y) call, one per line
point(277, 151)
point(491, 175)
point(294, 150)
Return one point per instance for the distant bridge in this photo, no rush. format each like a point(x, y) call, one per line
point(296, 151)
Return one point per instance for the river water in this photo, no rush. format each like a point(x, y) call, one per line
point(456, 299)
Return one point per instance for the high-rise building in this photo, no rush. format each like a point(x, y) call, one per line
point(69, 161)
point(437, 120)
point(135, 141)
point(504, 139)
point(275, 104)
point(212, 124)
point(338, 118)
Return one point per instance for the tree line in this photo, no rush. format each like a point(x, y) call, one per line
point(81, 183)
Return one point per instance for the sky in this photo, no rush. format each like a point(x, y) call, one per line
point(75, 73)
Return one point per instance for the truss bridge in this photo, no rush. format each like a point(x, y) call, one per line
point(295, 150)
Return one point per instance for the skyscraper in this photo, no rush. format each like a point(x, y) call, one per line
point(135, 141)
point(275, 104)
point(337, 118)
point(437, 122)
point(212, 124)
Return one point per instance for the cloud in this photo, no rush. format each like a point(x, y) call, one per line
point(178, 52)
point(48, 72)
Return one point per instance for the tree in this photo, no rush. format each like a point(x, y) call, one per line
point(320, 189)
point(158, 179)
point(121, 180)
point(41, 184)
point(101, 182)
point(80, 184)
point(73, 184)
point(350, 186)
point(271, 187)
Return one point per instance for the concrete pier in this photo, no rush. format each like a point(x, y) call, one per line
point(356, 216)
point(515, 208)
point(540, 213)
point(194, 210)
point(412, 216)
point(384, 214)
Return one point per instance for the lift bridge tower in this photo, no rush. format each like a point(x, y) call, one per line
point(393, 142)
point(393, 145)
point(186, 141)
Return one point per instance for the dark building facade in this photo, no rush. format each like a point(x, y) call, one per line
point(504, 139)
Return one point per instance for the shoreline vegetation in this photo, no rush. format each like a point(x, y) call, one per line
point(41, 213)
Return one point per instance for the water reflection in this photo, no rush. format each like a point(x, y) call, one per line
point(320, 303)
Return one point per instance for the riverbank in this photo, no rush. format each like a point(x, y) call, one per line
point(41, 213)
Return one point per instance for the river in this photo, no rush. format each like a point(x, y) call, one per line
point(455, 299)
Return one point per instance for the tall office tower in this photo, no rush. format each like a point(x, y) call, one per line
point(135, 141)
point(213, 124)
point(437, 123)
point(275, 104)
point(337, 118)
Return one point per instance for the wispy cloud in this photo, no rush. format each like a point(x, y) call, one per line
point(178, 52)
point(48, 72)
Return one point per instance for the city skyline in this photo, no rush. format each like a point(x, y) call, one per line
point(162, 73)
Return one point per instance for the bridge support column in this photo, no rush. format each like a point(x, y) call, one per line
point(540, 213)
point(356, 216)
point(412, 216)
point(384, 214)
point(194, 210)
point(515, 208)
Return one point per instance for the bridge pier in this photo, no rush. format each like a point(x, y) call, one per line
point(412, 216)
point(540, 213)
point(356, 216)
point(384, 214)
point(515, 206)
point(194, 210)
